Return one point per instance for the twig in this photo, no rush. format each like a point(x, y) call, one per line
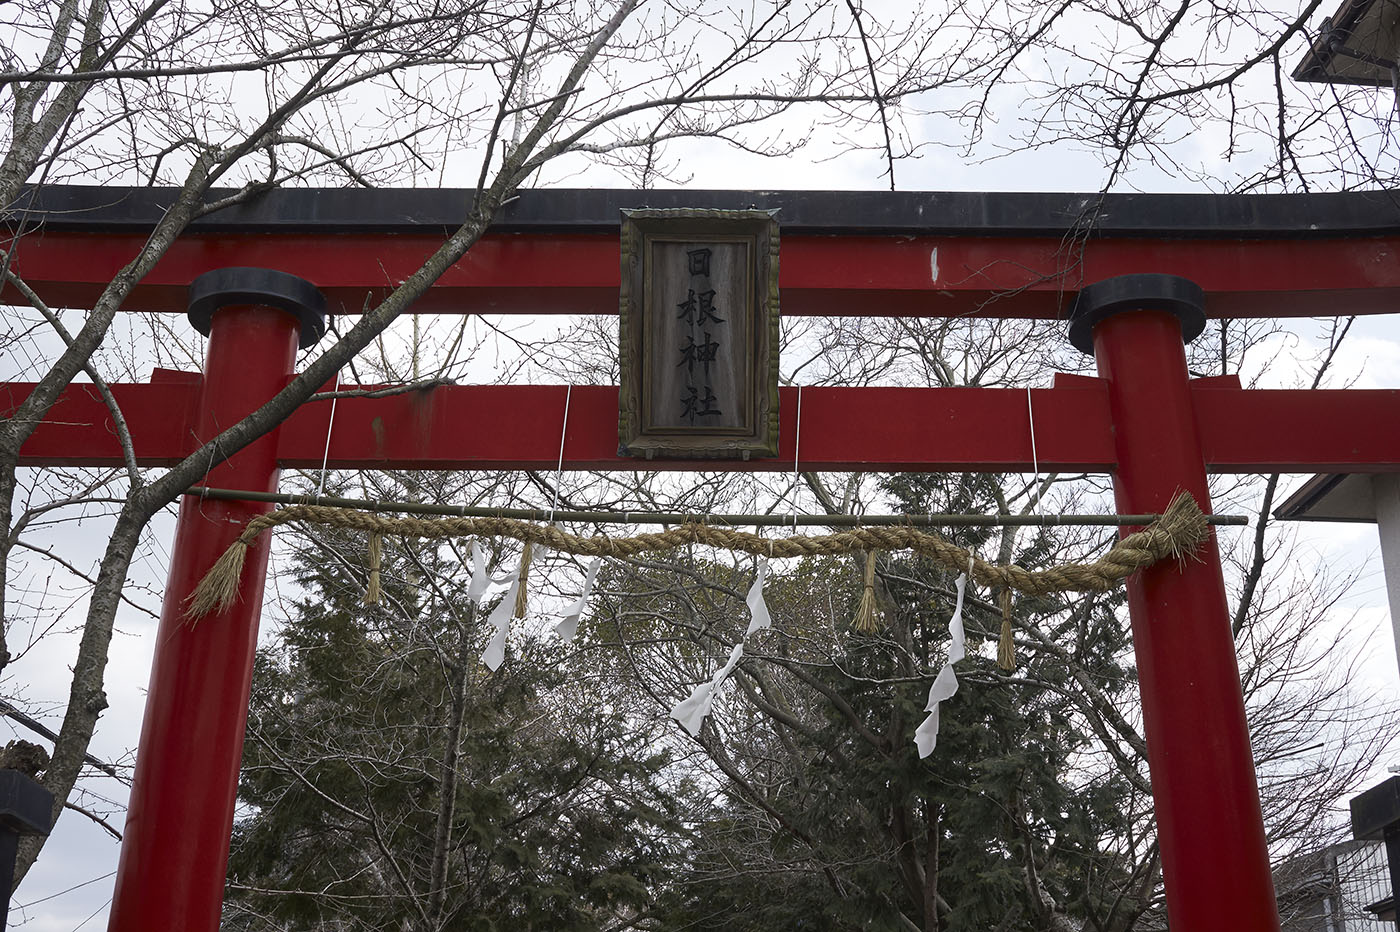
point(874, 86)
point(81, 575)
point(118, 421)
point(94, 817)
point(38, 728)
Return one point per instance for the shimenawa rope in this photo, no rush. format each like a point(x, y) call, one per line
point(1177, 533)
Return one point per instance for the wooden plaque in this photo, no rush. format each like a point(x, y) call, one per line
point(698, 334)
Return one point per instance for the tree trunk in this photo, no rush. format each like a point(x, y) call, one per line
point(934, 811)
point(86, 697)
point(447, 784)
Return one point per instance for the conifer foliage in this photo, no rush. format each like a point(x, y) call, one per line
point(391, 782)
point(832, 821)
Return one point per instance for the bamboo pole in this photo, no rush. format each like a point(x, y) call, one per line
point(671, 518)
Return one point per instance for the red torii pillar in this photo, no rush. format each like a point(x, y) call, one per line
point(1210, 830)
point(174, 854)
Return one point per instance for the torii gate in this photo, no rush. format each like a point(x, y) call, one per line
point(916, 254)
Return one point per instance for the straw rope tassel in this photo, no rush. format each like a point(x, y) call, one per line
point(1006, 649)
point(376, 547)
point(867, 614)
point(218, 590)
point(524, 577)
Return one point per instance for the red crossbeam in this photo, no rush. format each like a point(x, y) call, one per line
point(823, 275)
point(879, 429)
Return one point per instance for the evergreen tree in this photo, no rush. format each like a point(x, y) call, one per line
point(829, 819)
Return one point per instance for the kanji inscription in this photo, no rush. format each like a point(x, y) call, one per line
point(699, 313)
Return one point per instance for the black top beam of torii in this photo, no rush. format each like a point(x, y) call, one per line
point(106, 209)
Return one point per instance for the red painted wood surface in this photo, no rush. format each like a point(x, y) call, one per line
point(885, 429)
point(174, 853)
point(1215, 862)
point(921, 276)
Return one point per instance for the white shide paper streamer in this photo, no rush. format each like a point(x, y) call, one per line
point(480, 587)
point(495, 652)
point(481, 579)
point(946, 683)
point(568, 626)
point(692, 711)
point(483, 583)
point(758, 609)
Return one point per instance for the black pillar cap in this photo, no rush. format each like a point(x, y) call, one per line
point(26, 808)
point(266, 287)
point(1143, 292)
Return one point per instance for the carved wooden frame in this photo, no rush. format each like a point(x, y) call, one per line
point(758, 229)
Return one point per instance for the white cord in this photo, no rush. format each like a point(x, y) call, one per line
point(330, 425)
point(1035, 458)
point(559, 469)
point(796, 449)
point(205, 481)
